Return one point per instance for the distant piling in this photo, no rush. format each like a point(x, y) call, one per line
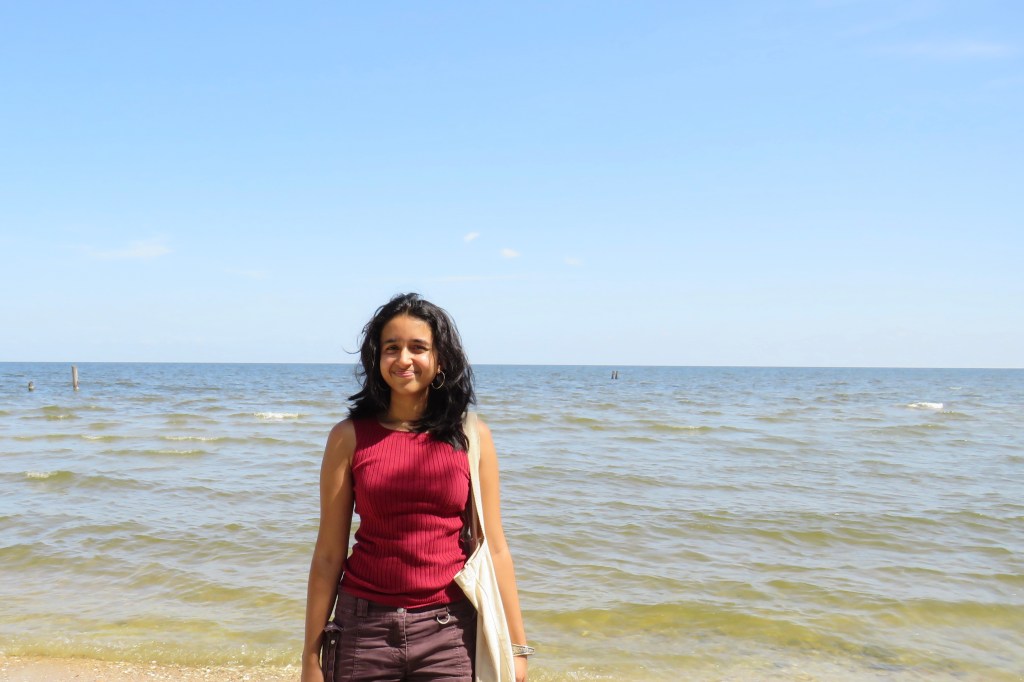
point(615, 374)
point(31, 385)
point(74, 377)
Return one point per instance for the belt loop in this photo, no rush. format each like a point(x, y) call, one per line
point(361, 607)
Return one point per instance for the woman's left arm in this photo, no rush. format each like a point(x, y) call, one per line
point(490, 490)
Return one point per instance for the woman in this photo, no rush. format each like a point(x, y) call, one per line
point(400, 459)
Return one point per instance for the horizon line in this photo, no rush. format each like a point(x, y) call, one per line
point(497, 364)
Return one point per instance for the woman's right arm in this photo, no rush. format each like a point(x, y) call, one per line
point(331, 542)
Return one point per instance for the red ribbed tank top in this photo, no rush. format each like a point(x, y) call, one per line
point(410, 494)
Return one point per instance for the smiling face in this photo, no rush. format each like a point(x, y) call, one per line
point(408, 361)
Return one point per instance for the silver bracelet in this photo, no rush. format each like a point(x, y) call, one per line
point(522, 650)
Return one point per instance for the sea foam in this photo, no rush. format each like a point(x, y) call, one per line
point(45, 475)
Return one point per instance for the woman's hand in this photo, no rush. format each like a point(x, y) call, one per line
point(520, 662)
point(311, 672)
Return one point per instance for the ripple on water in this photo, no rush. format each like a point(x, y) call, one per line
point(156, 452)
point(63, 479)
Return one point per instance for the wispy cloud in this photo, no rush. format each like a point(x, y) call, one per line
point(883, 17)
point(509, 253)
point(575, 262)
point(251, 274)
point(471, 236)
point(1005, 83)
point(952, 50)
point(146, 249)
point(476, 278)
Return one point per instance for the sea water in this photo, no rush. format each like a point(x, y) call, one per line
point(698, 523)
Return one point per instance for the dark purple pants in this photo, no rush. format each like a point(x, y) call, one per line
point(387, 644)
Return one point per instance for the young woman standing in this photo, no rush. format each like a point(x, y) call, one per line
point(399, 461)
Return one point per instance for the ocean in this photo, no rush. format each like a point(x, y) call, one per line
point(676, 522)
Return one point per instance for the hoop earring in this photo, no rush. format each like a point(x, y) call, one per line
point(443, 377)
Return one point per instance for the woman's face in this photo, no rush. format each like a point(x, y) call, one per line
point(408, 361)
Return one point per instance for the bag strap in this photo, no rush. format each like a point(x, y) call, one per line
point(476, 515)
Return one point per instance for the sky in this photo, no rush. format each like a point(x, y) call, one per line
point(792, 183)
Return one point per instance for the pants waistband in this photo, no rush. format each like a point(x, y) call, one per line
point(348, 603)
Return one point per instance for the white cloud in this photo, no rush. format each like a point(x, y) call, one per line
point(251, 274)
point(146, 249)
point(575, 262)
point(471, 236)
point(477, 278)
point(510, 253)
point(952, 50)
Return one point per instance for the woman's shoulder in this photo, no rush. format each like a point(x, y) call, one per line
point(343, 427)
point(481, 425)
point(341, 441)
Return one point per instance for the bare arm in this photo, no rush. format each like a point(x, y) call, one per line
point(490, 490)
point(331, 542)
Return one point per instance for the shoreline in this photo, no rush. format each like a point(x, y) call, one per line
point(44, 669)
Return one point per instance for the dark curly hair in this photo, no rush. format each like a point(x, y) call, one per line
point(446, 406)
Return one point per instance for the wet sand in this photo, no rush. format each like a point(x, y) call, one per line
point(32, 669)
point(36, 669)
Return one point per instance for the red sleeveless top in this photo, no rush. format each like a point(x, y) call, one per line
point(410, 494)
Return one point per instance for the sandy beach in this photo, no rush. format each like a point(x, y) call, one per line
point(33, 669)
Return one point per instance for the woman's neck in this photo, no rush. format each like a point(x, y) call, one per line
point(405, 409)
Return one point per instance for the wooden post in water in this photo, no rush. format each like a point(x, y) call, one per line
point(31, 385)
point(74, 377)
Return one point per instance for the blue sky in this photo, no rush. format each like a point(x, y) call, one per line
point(809, 183)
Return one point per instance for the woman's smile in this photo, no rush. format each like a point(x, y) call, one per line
point(408, 362)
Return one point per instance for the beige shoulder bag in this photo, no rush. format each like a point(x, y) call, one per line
point(478, 580)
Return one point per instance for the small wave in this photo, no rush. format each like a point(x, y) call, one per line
point(639, 439)
point(313, 403)
point(664, 427)
point(59, 475)
point(103, 426)
point(681, 427)
point(150, 452)
point(925, 406)
point(53, 416)
point(107, 438)
point(774, 419)
point(47, 436)
point(204, 439)
point(586, 421)
point(186, 417)
point(910, 429)
point(103, 482)
point(275, 416)
point(953, 414)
